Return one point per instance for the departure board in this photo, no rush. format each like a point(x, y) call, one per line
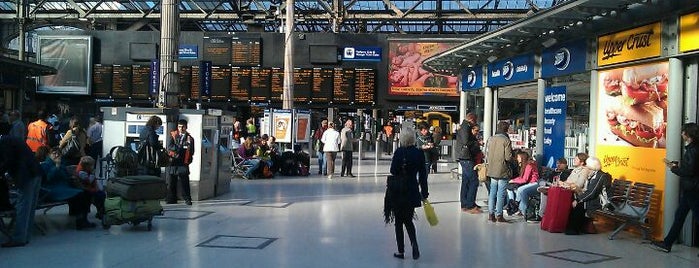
point(276, 84)
point(322, 85)
point(217, 50)
point(220, 82)
point(101, 81)
point(259, 84)
point(194, 90)
point(121, 82)
point(140, 77)
point(364, 86)
point(185, 82)
point(343, 85)
point(240, 84)
point(246, 52)
point(303, 84)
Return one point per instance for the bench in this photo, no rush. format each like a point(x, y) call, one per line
point(629, 205)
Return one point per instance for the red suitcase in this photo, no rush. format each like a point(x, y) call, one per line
point(558, 206)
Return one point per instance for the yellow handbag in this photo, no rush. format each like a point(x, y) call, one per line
point(482, 171)
point(429, 213)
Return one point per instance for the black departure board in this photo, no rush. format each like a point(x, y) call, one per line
point(276, 84)
point(343, 85)
point(259, 84)
point(194, 90)
point(246, 52)
point(217, 50)
point(185, 82)
point(240, 84)
point(101, 81)
point(364, 86)
point(121, 81)
point(322, 85)
point(303, 84)
point(140, 77)
point(220, 82)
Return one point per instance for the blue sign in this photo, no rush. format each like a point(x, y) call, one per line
point(511, 71)
point(555, 106)
point(361, 54)
point(188, 52)
point(205, 78)
point(472, 79)
point(564, 59)
point(154, 84)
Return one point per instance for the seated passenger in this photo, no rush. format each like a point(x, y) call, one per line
point(93, 188)
point(247, 152)
point(525, 184)
point(579, 175)
point(554, 177)
point(584, 203)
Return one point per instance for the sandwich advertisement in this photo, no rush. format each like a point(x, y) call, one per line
point(631, 122)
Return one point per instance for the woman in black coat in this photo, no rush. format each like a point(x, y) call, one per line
point(149, 136)
point(579, 221)
point(408, 167)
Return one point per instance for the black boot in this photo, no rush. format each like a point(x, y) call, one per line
point(416, 252)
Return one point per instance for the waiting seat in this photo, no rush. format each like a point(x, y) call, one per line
point(631, 209)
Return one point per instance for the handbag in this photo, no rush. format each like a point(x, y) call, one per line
point(429, 213)
point(482, 170)
point(396, 193)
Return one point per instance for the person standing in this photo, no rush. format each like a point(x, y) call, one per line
point(17, 160)
point(181, 150)
point(498, 152)
point(251, 128)
point(94, 137)
point(79, 132)
point(322, 168)
point(688, 171)
point(38, 132)
point(347, 146)
point(467, 148)
point(17, 127)
point(148, 136)
point(425, 143)
point(331, 145)
point(437, 139)
point(399, 206)
point(388, 132)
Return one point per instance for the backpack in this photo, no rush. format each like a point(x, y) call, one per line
point(289, 164)
point(72, 147)
point(150, 157)
point(125, 161)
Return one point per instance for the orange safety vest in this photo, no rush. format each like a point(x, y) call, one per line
point(36, 135)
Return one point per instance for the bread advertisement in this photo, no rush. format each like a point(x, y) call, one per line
point(633, 106)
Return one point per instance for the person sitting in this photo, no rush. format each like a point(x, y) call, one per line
point(586, 202)
point(88, 181)
point(274, 153)
point(554, 177)
point(247, 152)
point(579, 175)
point(521, 187)
point(59, 184)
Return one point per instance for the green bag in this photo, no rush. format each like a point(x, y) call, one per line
point(118, 210)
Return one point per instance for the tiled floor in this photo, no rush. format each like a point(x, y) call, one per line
point(316, 222)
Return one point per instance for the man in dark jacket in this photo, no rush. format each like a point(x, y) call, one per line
point(467, 148)
point(181, 151)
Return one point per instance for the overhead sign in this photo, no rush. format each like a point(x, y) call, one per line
point(689, 32)
point(442, 108)
point(154, 85)
point(188, 52)
point(555, 106)
point(205, 78)
point(472, 79)
point(635, 44)
point(564, 59)
point(361, 54)
point(511, 71)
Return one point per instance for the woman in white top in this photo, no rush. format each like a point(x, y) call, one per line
point(580, 174)
point(331, 145)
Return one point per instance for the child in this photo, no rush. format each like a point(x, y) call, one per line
point(90, 184)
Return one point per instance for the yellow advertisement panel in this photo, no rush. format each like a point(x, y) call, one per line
point(689, 32)
point(638, 43)
point(632, 118)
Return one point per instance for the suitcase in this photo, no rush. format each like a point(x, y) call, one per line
point(558, 206)
point(137, 187)
point(119, 211)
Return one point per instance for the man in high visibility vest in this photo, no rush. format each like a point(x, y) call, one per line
point(38, 132)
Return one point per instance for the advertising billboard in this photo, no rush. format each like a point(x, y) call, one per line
point(72, 58)
point(406, 75)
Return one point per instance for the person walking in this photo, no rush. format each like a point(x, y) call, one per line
point(498, 152)
point(408, 166)
point(317, 135)
point(688, 171)
point(331, 145)
point(467, 148)
point(347, 146)
point(148, 136)
point(181, 151)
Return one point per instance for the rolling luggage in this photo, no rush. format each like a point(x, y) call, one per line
point(118, 211)
point(558, 206)
point(137, 187)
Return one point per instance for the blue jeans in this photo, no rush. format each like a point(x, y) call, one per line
point(322, 165)
point(523, 194)
point(254, 165)
point(497, 195)
point(469, 184)
point(28, 191)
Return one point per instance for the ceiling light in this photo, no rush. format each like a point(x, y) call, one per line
point(549, 42)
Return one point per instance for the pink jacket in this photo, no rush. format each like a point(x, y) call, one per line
point(531, 175)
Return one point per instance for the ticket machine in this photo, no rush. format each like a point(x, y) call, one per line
point(224, 154)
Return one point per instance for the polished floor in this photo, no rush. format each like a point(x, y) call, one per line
point(316, 222)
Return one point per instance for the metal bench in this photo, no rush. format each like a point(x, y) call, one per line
point(631, 209)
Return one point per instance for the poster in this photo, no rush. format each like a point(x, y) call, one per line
point(303, 128)
point(406, 75)
point(555, 106)
point(71, 56)
point(281, 125)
